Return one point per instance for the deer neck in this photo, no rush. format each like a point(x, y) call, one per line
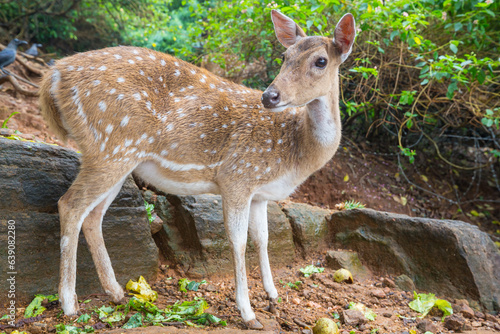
point(322, 123)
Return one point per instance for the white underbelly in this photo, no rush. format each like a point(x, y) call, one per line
point(150, 172)
point(278, 189)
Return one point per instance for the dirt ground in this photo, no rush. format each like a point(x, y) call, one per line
point(354, 174)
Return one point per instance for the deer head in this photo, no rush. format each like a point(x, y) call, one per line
point(310, 63)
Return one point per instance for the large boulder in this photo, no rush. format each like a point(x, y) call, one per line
point(309, 225)
point(194, 236)
point(447, 257)
point(32, 179)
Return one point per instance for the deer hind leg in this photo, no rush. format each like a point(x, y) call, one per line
point(92, 186)
point(236, 224)
point(258, 229)
point(92, 229)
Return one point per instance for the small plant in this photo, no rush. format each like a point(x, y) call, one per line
point(4, 124)
point(311, 269)
point(149, 211)
point(292, 285)
point(349, 205)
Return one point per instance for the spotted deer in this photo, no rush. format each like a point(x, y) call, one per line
point(187, 132)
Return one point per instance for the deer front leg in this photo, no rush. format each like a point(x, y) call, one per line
point(258, 229)
point(236, 224)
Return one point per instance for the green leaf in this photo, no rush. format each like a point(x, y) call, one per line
point(311, 269)
point(134, 321)
point(5, 316)
point(445, 307)
point(35, 308)
point(451, 90)
point(4, 124)
point(394, 34)
point(84, 318)
point(453, 48)
point(423, 303)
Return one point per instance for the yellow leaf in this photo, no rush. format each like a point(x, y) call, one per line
point(474, 213)
point(154, 45)
point(404, 200)
point(424, 178)
point(396, 198)
point(346, 178)
point(142, 289)
point(369, 9)
point(417, 40)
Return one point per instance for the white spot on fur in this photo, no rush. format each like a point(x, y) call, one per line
point(120, 97)
point(163, 63)
point(96, 82)
point(112, 91)
point(137, 96)
point(125, 120)
point(130, 61)
point(128, 142)
point(177, 73)
point(118, 56)
point(109, 129)
point(102, 68)
point(202, 135)
point(116, 150)
point(120, 79)
point(102, 106)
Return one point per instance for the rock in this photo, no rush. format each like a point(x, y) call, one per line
point(352, 317)
point(387, 314)
point(313, 305)
point(491, 317)
point(425, 325)
point(210, 288)
point(194, 235)
point(398, 244)
point(379, 293)
point(32, 179)
point(156, 225)
point(479, 315)
point(466, 311)
point(454, 323)
point(404, 283)
point(296, 301)
point(387, 282)
point(348, 260)
point(475, 324)
point(309, 226)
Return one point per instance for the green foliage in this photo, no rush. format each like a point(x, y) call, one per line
point(149, 211)
point(351, 204)
point(4, 124)
point(311, 269)
point(185, 284)
point(423, 303)
point(35, 308)
point(68, 329)
point(291, 285)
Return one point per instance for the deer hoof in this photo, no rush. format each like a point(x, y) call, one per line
point(254, 324)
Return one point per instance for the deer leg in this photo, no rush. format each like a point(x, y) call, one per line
point(90, 188)
point(236, 224)
point(258, 229)
point(92, 229)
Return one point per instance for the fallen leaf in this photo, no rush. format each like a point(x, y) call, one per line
point(346, 178)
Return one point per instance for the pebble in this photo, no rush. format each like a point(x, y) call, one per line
point(467, 312)
point(379, 293)
point(388, 283)
point(387, 314)
point(296, 301)
point(454, 322)
point(312, 304)
point(425, 325)
point(352, 317)
point(476, 324)
point(490, 317)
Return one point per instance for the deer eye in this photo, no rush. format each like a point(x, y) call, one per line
point(321, 62)
point(283, 57)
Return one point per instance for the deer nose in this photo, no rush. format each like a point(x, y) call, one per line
point(270, 98)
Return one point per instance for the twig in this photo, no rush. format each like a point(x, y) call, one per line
point(16, 85)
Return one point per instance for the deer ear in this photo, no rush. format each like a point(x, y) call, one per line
point(345, 33)
point(287, 31)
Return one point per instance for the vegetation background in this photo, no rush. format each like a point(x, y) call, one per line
point(422, 84)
